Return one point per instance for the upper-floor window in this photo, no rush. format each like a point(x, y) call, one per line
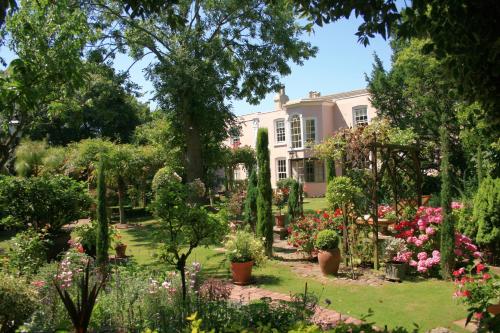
point(281, 168)
point(296, 132)
point(360, 115)
point(280, 131)
point(310, 131)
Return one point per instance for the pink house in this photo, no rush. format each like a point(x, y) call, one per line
point(294, 124)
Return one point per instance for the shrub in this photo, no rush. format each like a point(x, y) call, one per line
point(42, 202)
point(265, 219)
point(303, 233)
point(86, 235)
point(327, 240)
point(251, 201)
point(28, 252)
point(294, 209)
point(395, 250)
point(244, 247)
point(17, 302)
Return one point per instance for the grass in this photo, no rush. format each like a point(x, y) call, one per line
point(428, 303)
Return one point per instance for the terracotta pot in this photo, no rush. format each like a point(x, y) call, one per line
point(120, 250)
point(280, 220)
point(494, 309)
point(329, 261)
point(242, 272)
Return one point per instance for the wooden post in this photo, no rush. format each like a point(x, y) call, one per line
point(375, 203)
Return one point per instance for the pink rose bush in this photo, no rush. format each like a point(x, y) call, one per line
point(421, 236)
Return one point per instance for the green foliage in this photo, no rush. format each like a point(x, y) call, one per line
point(265, 191)
point(18, 302)
point(28, 252)
point(447, 227)
point(86, 235)
point(294, 204)
point(42, 202)
point(330, 169)
point(486, 213)
point(244, 247)
point(327, 240)
point(29, 157)
point(342, 192)
point(102, 235)
point(250, 212)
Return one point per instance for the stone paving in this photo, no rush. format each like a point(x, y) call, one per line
point(325, 318)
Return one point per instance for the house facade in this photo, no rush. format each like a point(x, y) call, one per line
point(294, 125)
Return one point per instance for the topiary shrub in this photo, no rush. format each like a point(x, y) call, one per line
point(486, 214)
point(17, 302)
point(327, 240)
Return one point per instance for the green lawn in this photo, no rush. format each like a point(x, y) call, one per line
point(428, 303)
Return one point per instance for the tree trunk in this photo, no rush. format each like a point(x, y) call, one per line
point(181, 266)
point(193, 157)
point(121, 197)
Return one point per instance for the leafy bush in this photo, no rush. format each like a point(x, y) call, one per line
point(394, 249)
point(327, 240)
point(244, 247)
point(17, 302)
point(42, 202)
point(28, 252)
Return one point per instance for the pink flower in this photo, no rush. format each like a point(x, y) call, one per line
point(458, 252)
point(38, 284)
point(413, 263)
point(423, 237)
point(421, 269)
point(436, 253)
point(459, 272)
point(418, 243)
point(430, 231)
point(422, 256)
point(456, 205)
point(477, 254)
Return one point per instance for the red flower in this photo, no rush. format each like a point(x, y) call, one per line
point(325, 215)
point(486, 276)
point(480, 267)
point(478, 315)
point(466, 293)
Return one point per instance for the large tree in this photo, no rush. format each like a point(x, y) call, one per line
point(222, 50)
point(49, 38)
point(460, 33)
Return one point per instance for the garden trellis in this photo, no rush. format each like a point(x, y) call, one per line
point(367, 154)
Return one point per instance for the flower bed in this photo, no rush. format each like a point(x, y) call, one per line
point(421, 236)
point(303, 233)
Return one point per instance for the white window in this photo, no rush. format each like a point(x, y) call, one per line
point(310, 131)
point(360, 115)
point(296, 132)
point(314, 171)
point(281, 167)
point(235, 141)
point(280, 131)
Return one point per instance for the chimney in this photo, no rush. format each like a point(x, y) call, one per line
point(280, 99)
point(314, 94)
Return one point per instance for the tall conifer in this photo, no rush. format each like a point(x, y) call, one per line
point(102, 239)
point(264, 192)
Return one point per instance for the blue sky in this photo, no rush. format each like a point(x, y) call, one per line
point(340, 65)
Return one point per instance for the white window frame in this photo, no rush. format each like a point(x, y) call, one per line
point(305, 142)
point(354, 116)
point(278, 172)
point(278, 142)
point(301, 131)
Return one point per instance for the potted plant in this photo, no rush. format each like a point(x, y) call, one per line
point(327, 244)
point(243, 251)
point(395, 257)
point(120, 247)
point(279, 201)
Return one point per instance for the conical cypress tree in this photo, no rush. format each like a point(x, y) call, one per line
point(102, 239)
point(251, 200)
point(264, 192)
point(447, 228)
point(330, 170)
point(294, 201)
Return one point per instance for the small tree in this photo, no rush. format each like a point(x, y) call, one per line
point(486, 214)
point(184, 225)
point(251, 201)
point(294, 200)
point(265, 192)
point(102, 240)
point(342, 193)
point(448, 228)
